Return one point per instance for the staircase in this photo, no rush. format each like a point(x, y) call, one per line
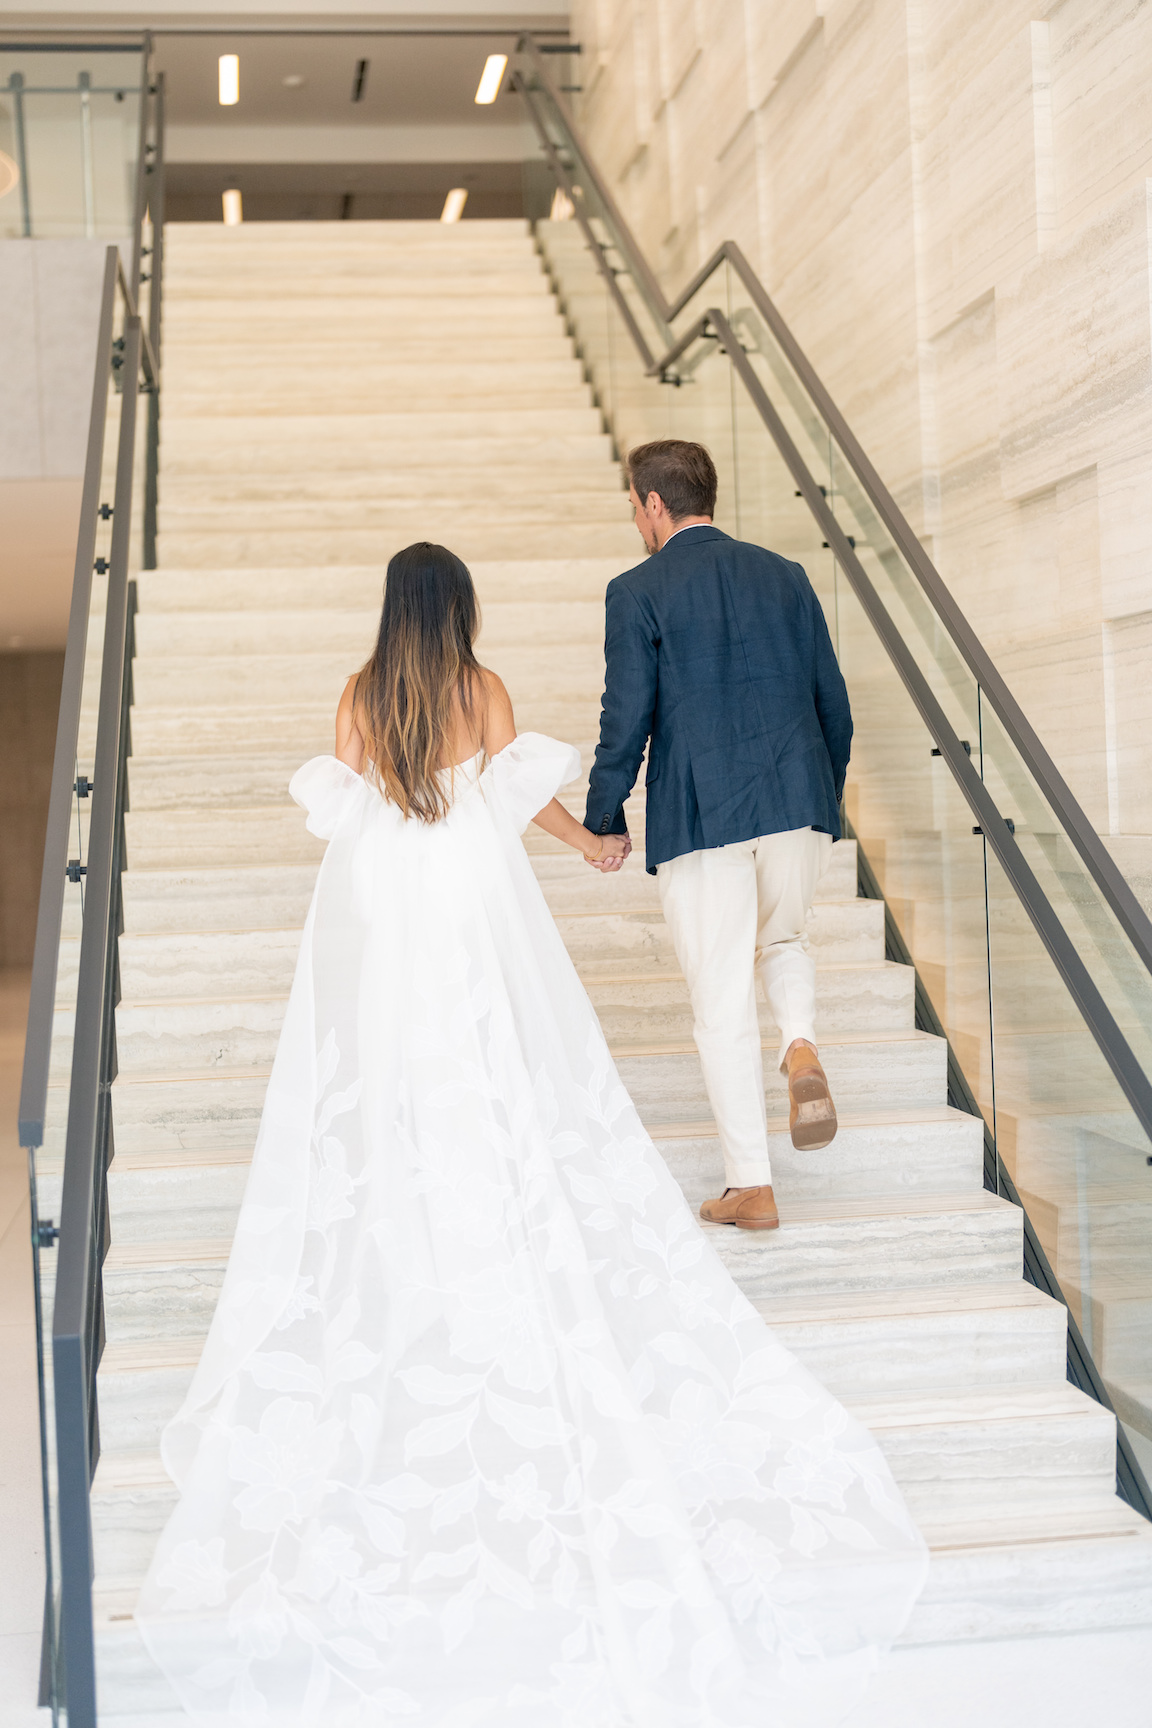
point(332, 392)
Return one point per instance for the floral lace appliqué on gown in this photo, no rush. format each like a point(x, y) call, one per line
point(483, 1432)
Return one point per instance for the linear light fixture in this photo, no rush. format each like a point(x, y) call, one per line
point(490, 79)
point(454, 204)
point(233, 208)
point(229, 80)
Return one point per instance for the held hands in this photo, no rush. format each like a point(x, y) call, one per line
point(607, 852)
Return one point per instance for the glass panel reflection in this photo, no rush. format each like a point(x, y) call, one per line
point(69, 141)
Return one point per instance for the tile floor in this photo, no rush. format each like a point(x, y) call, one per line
point(21, 1516)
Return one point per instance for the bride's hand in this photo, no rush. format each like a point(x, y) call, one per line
point(609, 853)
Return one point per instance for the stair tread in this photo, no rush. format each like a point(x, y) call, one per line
point(147, 1355)
point(213, 1251)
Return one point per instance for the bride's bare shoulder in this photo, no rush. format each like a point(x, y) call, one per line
point(499, 722)
point(349, 738)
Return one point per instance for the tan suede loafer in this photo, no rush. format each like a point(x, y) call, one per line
point(747, 1208)
point(811, 1113)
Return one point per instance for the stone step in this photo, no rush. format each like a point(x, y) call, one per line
point(201, 1036)
point(195, 1192)
point(203, 680)
point(246, 898)
point(275, 896)
point(198, 838)
point(863, 1345)
point(225, 635)
point(647, 1009)
point(602, 944)
point(215, 944)
point(348, 372)
point(169, 1289)
point(982, 1335)
point(374, 487)
point(418, 427)
point(405, 515)
point(467, 282)
point(901, 1070)
point(887, 1242)
point(960, 1454)
point(229, 735)
point(375, 390)
point(305, 347)
point(350, 589)
point(411, 231)
point(925, 1150)
point(192, 324)
point(1019, 1576)
point(351, 545)
point(526, 458)
point(220, 1111)
point(187, 965)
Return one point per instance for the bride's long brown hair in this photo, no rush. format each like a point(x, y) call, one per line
point(421, 676)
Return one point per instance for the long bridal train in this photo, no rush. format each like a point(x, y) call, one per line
point(483, 1432)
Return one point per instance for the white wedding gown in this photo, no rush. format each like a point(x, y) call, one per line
point(483, 1432)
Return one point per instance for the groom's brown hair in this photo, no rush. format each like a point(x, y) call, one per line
point(682, 474)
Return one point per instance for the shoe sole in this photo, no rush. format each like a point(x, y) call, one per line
point(745, 1224)
point(815, 1125)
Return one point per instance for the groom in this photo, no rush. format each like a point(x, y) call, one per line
point(718, 653)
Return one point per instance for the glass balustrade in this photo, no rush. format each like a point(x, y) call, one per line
point(1058, 1123)
point(69, 142)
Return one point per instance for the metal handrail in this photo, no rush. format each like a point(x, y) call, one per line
point(1117, 1052)
point(997, 831)
point(1098, 861)
point(132, 360)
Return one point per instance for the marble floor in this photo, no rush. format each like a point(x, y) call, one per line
point(21, 1518)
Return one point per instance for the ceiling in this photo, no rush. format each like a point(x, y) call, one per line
point(410, 80)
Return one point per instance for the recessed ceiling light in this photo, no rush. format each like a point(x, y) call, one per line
point(233, 208)
point(490, 79)
point(454, 204)
point(293, 81)
point(229, 80)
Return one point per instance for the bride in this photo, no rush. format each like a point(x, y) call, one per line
point(483, 1432)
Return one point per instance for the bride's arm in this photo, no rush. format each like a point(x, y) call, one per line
point(607, 850)
point(349, 738)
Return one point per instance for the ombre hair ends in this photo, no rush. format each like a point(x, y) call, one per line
point(421, 678)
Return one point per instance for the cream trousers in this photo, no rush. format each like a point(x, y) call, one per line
point(732, 910)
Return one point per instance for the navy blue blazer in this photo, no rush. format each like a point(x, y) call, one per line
point(719, 652)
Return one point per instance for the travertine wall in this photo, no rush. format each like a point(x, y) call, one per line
point(949, 201)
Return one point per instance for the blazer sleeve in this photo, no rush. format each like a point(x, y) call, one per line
point(626, 711)
point(832, 706)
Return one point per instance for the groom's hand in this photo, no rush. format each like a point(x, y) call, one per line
point(616, 849)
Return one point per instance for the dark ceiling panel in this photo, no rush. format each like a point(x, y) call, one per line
point(409, 80)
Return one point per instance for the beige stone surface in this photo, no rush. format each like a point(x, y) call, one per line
point(950, 204)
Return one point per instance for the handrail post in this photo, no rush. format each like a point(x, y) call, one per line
point(16, 86)
point(141, 197)
point(156, 210)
